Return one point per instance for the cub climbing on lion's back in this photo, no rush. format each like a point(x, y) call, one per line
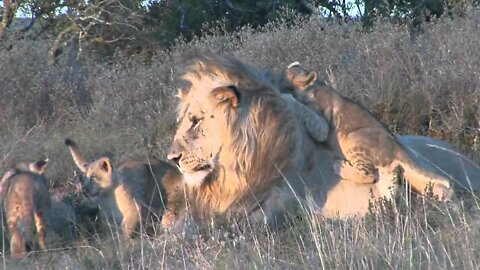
point(370, 152)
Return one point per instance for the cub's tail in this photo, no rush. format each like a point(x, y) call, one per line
point(77, 157)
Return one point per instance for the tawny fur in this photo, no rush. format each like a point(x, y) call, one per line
point(132, 194)
point(243, 149)
point(369, 152)
point(219, 131)
point(26, 201)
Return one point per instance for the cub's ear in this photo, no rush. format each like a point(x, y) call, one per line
point(311, 78)
point(106, 165)
point(227, 94)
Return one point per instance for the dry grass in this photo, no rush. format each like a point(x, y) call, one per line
point(429, 237)
point(429, 86)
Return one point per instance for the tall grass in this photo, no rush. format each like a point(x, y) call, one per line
point(429, 85)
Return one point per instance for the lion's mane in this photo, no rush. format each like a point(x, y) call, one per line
point(264, 134)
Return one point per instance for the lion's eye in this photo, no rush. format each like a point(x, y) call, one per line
point(195, 122)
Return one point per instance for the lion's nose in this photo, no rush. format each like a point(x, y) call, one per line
point(174, 154)
point(174, 157)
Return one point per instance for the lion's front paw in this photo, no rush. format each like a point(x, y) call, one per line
point(168, 219)
point(442, 193)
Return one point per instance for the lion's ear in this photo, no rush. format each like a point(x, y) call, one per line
point(227, 94)
point(182, 93)
point(311, 78)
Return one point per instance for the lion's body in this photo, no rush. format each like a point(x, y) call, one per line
point(369, 152)
point(131, 195)
point(244, 150)
point(442, 158)
point(26, 201)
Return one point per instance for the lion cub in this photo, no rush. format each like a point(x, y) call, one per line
point(26, 199)
point(370, 152)
point(132, 194)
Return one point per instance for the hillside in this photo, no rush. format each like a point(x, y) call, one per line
point(429, 85)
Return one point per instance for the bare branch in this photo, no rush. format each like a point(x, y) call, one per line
point(9, 9)
point(100, 23)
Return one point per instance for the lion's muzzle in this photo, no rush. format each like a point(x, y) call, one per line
point(194, 167)
point(174, 154)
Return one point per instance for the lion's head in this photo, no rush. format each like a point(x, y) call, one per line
point(235, 131)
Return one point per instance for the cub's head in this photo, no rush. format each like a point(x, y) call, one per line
point(37, 167)
point(99, 174)
point(300, 77)
point(99, 177)
point(229, 120)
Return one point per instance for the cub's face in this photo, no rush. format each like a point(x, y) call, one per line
point(99, 178)
point(203, 121)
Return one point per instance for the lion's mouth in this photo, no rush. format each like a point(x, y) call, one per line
point(198, 175)
point(204, 167)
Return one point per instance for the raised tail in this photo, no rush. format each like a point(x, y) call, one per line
point(77, 157)
point(422, 180)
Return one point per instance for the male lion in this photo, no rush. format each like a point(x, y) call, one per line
point(133, 193)
point(243, 149)
point(369, 151)
point(25, 199)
